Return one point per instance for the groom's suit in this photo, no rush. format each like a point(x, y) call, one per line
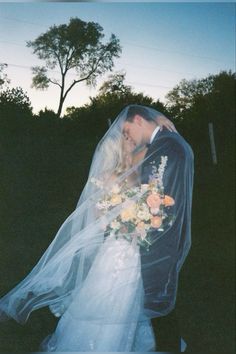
point(160, 279)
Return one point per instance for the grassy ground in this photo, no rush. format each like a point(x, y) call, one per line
point(40, 184)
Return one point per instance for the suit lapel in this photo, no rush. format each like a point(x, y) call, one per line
point(149, 150)
point(153, 143)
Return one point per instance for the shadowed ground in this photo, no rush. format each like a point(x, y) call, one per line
point(40, 183)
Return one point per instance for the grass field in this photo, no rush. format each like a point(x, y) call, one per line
point(40, 186)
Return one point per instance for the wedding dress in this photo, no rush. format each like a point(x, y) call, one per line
point(98, 318)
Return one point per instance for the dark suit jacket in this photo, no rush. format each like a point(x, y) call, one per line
point(162, 263)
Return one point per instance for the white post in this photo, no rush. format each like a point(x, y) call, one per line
point(212, 142)
point(109, 122)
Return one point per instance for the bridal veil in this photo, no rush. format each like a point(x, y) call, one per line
point(63, 268)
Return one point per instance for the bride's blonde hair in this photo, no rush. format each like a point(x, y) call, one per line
point(116, 158)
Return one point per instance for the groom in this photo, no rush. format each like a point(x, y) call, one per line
point(162, 263)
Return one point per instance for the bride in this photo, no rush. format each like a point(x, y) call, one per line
point(90, 275)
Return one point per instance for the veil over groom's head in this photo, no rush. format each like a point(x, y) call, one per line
point(139, 124)
point(142, 111)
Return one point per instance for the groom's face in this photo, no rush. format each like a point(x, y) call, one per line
point(133, 132)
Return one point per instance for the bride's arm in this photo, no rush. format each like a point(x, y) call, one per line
point(162, 121)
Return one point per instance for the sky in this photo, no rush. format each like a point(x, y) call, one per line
point(162, 43)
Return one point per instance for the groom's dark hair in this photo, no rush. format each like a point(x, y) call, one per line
point(136, 109)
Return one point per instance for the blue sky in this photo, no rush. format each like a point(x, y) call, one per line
point(162, 43)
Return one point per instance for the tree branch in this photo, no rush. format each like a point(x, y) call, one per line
point(55, 83)
point(69, 58)
point(73, 84)
point(59, 61)
point(85, 78)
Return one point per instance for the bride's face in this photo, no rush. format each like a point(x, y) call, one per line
point(128, 146)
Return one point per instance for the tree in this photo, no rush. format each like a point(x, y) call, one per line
point(183, 95)
point(195, 104)
point(115, 84)
point(15, 98)
point(47, 115)
point(77, 46)
point(189, 95)
point(15, 112)
point(115, 94)
point(4, 80)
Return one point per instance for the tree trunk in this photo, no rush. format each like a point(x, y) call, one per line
point(60, 107)
point(61, 96)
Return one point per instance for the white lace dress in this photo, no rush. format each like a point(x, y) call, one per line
point(104, 314)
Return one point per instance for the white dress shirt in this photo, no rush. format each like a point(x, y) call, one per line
point(154, 133)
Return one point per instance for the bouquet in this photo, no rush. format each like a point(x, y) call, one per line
point(146, 208)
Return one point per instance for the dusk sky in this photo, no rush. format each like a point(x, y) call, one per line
point(162, 43)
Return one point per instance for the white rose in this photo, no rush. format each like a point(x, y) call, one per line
point(143, 215)
point(144, 207)
point(144, 187)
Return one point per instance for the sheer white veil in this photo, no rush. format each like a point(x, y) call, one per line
point(62, 270)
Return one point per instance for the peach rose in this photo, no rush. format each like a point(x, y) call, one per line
point(116, 199)
point(154, 200)
point(156, 221)
point(168, 201)
point(127, 214)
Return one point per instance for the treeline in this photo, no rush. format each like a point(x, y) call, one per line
point(192, 105)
